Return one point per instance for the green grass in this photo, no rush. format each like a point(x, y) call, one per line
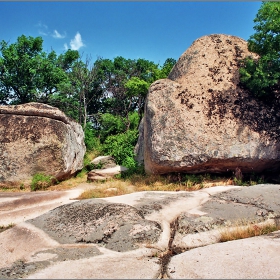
point(41, 181)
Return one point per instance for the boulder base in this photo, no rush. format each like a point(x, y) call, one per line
point(38, 138)
point(201, 120)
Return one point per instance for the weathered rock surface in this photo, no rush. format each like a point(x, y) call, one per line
point(139, 148)
point(116, 226)
point(201, 120)
point(37, 138)
point(159, 234)
point(104, 174)
point(104, 161)
point(236, 207)
point(252, 258)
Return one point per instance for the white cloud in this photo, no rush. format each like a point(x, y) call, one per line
point(43, 33)
point(56, 34)
point(66, 47)
point(43, 28)
point(41, 25)
point(77, 42)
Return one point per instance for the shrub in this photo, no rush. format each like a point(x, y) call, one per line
point(192, 179)
point(41, 181)
point(91, 141)
point(110, 125)
point(121, 147)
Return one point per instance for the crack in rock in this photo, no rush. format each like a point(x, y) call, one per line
point(170, 252)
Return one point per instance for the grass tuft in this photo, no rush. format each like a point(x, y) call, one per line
point(251, 230)
point(3, 228)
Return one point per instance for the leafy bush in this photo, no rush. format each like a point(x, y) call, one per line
point(110, 125)
point(121, 147)
point(91, 141)
point(134, 120)
point(41, 181)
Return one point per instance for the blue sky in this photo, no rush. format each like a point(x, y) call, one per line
point(149, 30)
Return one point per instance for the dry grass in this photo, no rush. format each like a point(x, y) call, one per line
point(138, 183)
point(70, 183)
point(2, 228)
point(15, 186)
point(80, 178)
point(249, 230)
point(106, 189)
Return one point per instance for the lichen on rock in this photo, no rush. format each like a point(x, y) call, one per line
point(38, 138)
point(201, 119)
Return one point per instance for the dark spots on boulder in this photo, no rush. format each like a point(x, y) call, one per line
point(247, 109)
point(229, 41)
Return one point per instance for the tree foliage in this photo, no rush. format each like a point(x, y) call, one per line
point(125, 83)
point(121, 147)
point(106, 97)
point(262, 75)
point(28, 74)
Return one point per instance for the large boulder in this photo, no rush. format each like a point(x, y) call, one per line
point(200, 119)
point(38, 138)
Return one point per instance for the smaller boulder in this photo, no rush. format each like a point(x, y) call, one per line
point(104, 174)
point(104, 162)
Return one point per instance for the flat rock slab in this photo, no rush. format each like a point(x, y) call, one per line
point(251, 258)
point(265, 196)
point(251, 203)
point(45, 258)
point(126, 236)
point(102, 267)
point(22, 241)
point(116, 226)
point(16, 207)
point(234, 207)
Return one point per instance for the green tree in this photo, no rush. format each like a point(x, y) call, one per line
point(19, 64)
point(137, 90)
point(167, 67)
point(261, 76)
point(29, 74)
point(85, 93)
point(125, 83)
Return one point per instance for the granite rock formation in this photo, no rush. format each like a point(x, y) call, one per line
point(38, 138)
point(201, 119)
